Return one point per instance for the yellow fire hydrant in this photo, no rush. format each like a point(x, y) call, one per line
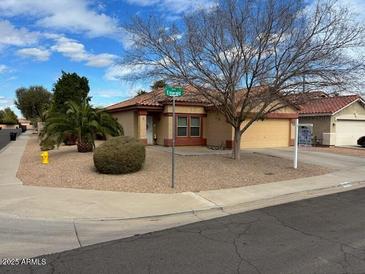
point(44, 156)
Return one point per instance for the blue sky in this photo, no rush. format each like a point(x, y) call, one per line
point(40, 38)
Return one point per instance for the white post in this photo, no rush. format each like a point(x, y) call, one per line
point(173, 142)
point(296, 144)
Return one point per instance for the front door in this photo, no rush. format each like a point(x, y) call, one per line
point(149, 130)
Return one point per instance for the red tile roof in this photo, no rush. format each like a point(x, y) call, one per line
point(157, 98)
point(327, 105)
point(302, 98)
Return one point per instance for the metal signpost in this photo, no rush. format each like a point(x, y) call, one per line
point(173, 92)
point(296, 144)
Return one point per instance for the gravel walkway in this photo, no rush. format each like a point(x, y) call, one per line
point(67, 168)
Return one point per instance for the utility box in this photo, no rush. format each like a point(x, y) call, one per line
point(329, 139)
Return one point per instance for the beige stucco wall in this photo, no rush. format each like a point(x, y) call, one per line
point(286, 109)
point(128, 120)
point(5, 126)
point(217, 130)
point(354, 111)
point(185, 109)
point(267, 133)
point(162, 129)
point(204, 122)
point(141, 127)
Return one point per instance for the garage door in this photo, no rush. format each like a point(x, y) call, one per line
point(267, 133)
point(348, 131)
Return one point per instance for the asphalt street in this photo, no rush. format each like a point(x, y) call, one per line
point(320, 235)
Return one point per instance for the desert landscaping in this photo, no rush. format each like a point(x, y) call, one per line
point(70, 169)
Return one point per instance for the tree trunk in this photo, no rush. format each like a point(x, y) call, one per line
point(83, 147)
point(236, 153)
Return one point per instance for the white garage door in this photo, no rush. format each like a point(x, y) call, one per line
point(348, 131)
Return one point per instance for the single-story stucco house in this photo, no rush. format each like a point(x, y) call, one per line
point(148, 117)
point(25, 122)
point(336, 120)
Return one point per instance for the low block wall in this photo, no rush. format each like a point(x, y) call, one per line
point(5, 136)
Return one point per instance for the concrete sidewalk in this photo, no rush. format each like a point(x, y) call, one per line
point(54, 219)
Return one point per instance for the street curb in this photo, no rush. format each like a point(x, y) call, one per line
point(248, 206)
point(226, 210)
point(302, 195)
point(8, 144)
point(5, 147)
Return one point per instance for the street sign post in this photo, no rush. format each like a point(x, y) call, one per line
point(296, 144)
point(173, 92)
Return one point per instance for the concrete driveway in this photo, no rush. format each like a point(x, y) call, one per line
point(332, 160)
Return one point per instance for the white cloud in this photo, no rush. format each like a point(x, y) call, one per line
point(12, 36)
point(355, 6)
point(117, 72)
point(127, 90)
point(177, 6)
point(6, 102)
point(143, 2)
point(101, 60)
point(36, 53)
point(77, 52)
point(71, 15)
point(70, 48)
point(113, 73)
point(3, 69)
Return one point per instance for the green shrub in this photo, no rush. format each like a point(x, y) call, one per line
point(119, 155)
point(47, 144)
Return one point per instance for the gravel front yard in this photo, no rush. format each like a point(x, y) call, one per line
point(67, 168)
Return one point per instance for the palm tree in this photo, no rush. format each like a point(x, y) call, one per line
point(81, 121)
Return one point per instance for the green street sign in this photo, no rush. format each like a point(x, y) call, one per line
point(174, 91)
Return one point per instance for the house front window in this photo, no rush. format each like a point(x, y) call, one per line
point(182, 126)
point(194, 126)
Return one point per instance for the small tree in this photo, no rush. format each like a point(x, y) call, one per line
point(158, 84)
point(69, 87)
point(7, 116)
point(249, 57)
point(140, 92)
point(32, 101)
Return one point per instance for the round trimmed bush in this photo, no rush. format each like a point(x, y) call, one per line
point(119, 155)
point(47, 144)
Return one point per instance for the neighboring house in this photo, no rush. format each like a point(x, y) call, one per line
point(336, 120)
point(25, 122)
point(148, 117)
point(8, 126)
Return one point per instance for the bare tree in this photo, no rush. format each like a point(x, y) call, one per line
point(249, 57)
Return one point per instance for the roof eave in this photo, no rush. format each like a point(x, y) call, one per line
point(135, 107)
point(177, 103)
point(315, 114)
